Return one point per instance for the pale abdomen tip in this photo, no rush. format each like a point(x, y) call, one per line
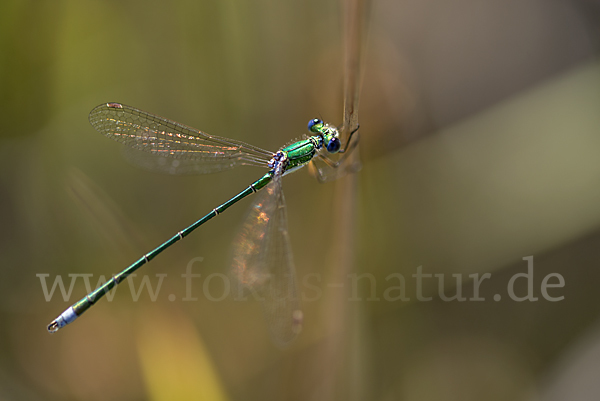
point(53, 327)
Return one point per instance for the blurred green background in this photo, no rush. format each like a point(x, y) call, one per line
point(480, 130)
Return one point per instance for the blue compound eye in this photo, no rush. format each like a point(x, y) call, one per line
point(334, 145)
point(314, 122)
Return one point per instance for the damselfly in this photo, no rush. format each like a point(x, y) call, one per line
point(262, 257)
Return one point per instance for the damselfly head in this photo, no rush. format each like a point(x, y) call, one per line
point(315, 125)
point(331, 138)
point(329, 134)
point(334, 144)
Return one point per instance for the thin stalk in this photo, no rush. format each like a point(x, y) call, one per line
point(341, 359)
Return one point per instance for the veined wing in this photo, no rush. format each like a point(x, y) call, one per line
point(167, 164)
point(194, 150)
point(263, 263)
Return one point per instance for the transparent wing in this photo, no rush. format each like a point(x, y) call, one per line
point(325, 172)
point(167, 164)
point(262, 262)
point(161, 141)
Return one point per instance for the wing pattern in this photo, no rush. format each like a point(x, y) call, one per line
point(263, 263)
point(194, 150)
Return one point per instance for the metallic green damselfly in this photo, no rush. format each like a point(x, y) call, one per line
point(262, 257)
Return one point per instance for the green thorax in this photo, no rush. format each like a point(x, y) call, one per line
point(301, 152)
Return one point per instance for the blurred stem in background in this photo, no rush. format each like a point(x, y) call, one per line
point(341, 360)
